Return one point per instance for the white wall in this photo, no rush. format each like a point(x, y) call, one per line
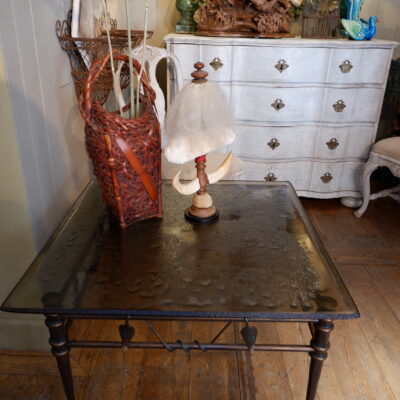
point(43, 165)
point(388, 13)
point(47, 123)
point(162, 17)
point(17, 247)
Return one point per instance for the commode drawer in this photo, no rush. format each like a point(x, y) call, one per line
point(299, 142)
point(217, 60)
point(352, 105)
point(299, 173)
point(336, 177)
point(363, 66)
point(335, 143)
point(279, 64)
point(275, 143)
point(308, 176)
point(307, 104)
point(280, 105)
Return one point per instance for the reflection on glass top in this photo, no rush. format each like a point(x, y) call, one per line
point(261, 258)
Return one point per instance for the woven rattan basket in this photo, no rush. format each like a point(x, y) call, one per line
point(83, 52)
point(126, 153)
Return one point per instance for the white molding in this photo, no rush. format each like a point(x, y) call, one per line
point(282, 43)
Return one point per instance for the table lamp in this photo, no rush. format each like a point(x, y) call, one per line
point(198, 122)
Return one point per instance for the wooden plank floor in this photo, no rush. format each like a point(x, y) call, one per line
point(363, 364)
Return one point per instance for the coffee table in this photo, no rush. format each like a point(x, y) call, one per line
point(261, 261)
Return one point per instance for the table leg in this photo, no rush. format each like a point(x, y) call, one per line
point(60, 349)
point(320, 344)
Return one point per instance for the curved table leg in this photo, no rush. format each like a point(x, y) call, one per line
point(320, 344)
point(366, 187)
point(60, 349)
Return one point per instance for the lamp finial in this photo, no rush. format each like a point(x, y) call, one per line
point(199, 76)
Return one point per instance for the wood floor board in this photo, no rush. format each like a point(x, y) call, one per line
point(85, 330)
point(114, 373)
point(81, 389)
point(356, 365)
point(330, 207)
point(224, 367)
point(213, 375)
point(165, 375)
point(33, 363)
point(372, 239)
point(296, 364)
point(387, 279)
point(200, 379)
point(263, 375)
point(378, 323)
point(24, 387)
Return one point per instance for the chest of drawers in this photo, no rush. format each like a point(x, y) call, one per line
point(306, 111)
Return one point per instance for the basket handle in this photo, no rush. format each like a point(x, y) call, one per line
point(137, 167)
point(85, 101)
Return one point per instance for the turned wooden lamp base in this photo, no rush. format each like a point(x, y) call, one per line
point(192, 214)
point(202, 209)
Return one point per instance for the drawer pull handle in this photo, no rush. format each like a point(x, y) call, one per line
point(270, 177)
point(278, 104)
point(326, 178)
point(281, 65)
point(339, 106)
point(332, 144)
point(217, 63)
point(346, 66)
point(274, 143)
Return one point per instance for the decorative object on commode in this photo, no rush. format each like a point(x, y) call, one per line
point(186, 8)
point(385, 153)
point(126, 153)
point(198, 122)
point(296, 9)
point(321, 19)
point(306, 139)
point(263, 18)
point(83, 52)
point(356, 27)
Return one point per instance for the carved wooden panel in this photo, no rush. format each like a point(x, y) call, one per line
point(246, 17)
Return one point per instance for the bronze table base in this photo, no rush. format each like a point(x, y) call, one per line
point(60, 345)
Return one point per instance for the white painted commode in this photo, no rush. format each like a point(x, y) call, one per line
point(306, 110)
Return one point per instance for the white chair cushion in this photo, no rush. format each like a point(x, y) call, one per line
point(388, 147)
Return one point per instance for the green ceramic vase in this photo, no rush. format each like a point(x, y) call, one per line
point(186, 23)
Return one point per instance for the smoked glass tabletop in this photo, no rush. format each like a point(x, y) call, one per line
point(261, 259)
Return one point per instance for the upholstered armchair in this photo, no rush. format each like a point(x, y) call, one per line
point(385, 153)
